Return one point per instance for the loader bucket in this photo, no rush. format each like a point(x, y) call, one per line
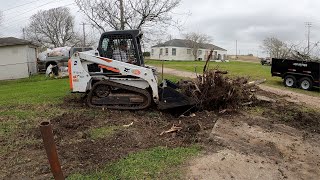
point(171, 98)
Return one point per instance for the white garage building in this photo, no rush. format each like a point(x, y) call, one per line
point(18, 58)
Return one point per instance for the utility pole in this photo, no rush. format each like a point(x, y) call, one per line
point(24, 33)
point(84, 33)
point(236, 49)
point(121, 15)
point(308, 25)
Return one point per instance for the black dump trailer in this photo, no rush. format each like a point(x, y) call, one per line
point(297, 73)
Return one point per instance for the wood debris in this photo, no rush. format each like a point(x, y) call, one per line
point(128, 125)
point(174, 128)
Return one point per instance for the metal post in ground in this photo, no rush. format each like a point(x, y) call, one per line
point(51, 150)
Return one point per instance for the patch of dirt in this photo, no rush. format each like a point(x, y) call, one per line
point(258, 149)
point(294, 116)
point(143, 134)
point(294, 97)
point(74, 100)
point(68, 124)
point(289, 113)
point(78, 152)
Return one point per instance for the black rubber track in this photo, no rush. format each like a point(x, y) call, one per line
point(134, 90)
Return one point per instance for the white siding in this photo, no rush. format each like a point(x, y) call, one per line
point(32, 60)
point(181, 54)
point(13, 62)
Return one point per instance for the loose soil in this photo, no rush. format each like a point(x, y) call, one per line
point(258, 148)
point(78, 152)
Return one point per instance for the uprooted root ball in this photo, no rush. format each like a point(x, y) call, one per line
point(214, 91)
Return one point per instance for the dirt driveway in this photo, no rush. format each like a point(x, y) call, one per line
point(311, 101)
point(255, 150)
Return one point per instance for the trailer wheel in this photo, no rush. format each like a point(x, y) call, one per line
point(305, 83)
point(290, 81)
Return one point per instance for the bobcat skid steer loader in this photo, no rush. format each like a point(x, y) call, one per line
point(118, 78)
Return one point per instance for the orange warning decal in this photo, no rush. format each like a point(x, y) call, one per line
point(136, 72)
point(105, 59)
point(70, 74)
point(110, 68)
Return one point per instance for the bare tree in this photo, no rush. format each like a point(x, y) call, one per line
point(195, 41)
point(279, 49)
point(276, 48)
point(127, 14)
point(52, 27)
point(301, 52)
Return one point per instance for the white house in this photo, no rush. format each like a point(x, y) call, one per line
point(179, 49)
point(18, 58)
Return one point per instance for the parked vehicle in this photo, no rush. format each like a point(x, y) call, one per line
point(58, 56)
point(266, 61)
point(297, 73)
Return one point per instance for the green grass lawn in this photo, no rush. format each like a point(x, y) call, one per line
point(156, 163)
point(254, 71)
point(35, 90)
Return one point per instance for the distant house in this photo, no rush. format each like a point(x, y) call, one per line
point(18, 58)
point(179, 49)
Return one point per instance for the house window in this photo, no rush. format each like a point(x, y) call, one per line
point(161, 51)
point(167, 51)
point(174, 51)
point(152, 52)
point(188, 51)
point(199, 52)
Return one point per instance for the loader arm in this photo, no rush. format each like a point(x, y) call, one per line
point(80, 77)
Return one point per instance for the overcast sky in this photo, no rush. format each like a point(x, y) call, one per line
point(248, 21)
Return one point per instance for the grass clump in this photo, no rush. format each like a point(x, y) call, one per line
point(149, 164)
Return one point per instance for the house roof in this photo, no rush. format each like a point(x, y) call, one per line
point(185, 43)
point(11, 41)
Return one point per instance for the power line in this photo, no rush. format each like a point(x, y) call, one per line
point(20, 5)
point(23, 13)
point(24, 18)
point(12, 23)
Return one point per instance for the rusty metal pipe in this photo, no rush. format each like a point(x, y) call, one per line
point(51, 150)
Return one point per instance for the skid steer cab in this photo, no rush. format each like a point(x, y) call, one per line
point(118, 78)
